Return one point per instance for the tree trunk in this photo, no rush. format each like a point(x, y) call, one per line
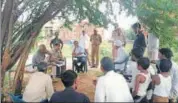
point(18, 79)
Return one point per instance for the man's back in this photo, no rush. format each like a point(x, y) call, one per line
point(38, 88)
point(69, 95)
point(112, 88)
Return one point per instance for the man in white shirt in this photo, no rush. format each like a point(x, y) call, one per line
point(40, 86)
point(111, 87)
point(79, 53)
point(84, 43)
point(121, 55)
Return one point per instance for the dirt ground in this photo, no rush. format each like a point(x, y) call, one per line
point(85, 84)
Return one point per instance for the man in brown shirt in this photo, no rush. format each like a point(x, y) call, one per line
point(96, 40)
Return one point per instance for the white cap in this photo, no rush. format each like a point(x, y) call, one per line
point(118, 43)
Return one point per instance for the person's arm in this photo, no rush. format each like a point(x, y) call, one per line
point(137, 82)
point(124, 39)
point(100, 91)
point(91, 38)
point(49, 88)
point(51, 44)
point(62, 44)
point(73, 52)
point(155, 80)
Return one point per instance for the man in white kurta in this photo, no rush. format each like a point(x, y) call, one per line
point(121, 55)
point(111, 87)
point(39, 87)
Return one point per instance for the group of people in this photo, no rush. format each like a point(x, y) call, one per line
point(159, 84)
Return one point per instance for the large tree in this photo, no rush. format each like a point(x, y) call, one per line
point(22, 21)
point(160, 17)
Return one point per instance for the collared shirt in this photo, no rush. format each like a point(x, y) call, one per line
point(56, 54)
point(79, 50)
point(69, 95)
point(96, 39)
point(174, 76)
point(38, 88)
point(140, 41)
point(37, 58)
point(84, 41)
point(56, 40)
point(112, 87)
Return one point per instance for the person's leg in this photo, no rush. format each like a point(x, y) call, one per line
point(87, 56)
point(53, 73)
point(97, 55)
point(92, 55)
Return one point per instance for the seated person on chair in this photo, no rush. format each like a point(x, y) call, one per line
point(40, 55)
point(69, 79)
point(40, 85)
point(57, 58)
point(121, 55)
point(79, 53)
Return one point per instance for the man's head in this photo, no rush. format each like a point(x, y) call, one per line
point(69, 79)
point(136, 54)
point(165, 53)
point(136, 27)
point(143, 63)
point(118, 44)
point(165, 65)
point(76, 43)
point(95, 31)
point(42, 48)
point(42, 66)
point(107, 64)
point(56, 34)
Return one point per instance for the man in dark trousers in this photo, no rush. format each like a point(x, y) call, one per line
point(69, 79)
point(140, 38)
point(56, 40)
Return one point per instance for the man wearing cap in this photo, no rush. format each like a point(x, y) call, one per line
point(111, 87)
point(96, 40)
point(121, 55)
point(56, 40)
point(69, 94)
point(40, 86)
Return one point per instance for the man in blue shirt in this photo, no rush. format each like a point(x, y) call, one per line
point(140, 38)
point(69, 79)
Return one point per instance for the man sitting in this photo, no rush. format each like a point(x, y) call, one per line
point(112, 87)
point(40, 55)
point(57, 58)
point(121, 55)
point(39, 86)
point(69, 79)
point(79, 53)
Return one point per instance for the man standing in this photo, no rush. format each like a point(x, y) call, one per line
point(56, 40)
point(84, 43)
point(117, 34)
point(112, 87)
point(96, 40)
point(140, 38)
point(69, 79)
